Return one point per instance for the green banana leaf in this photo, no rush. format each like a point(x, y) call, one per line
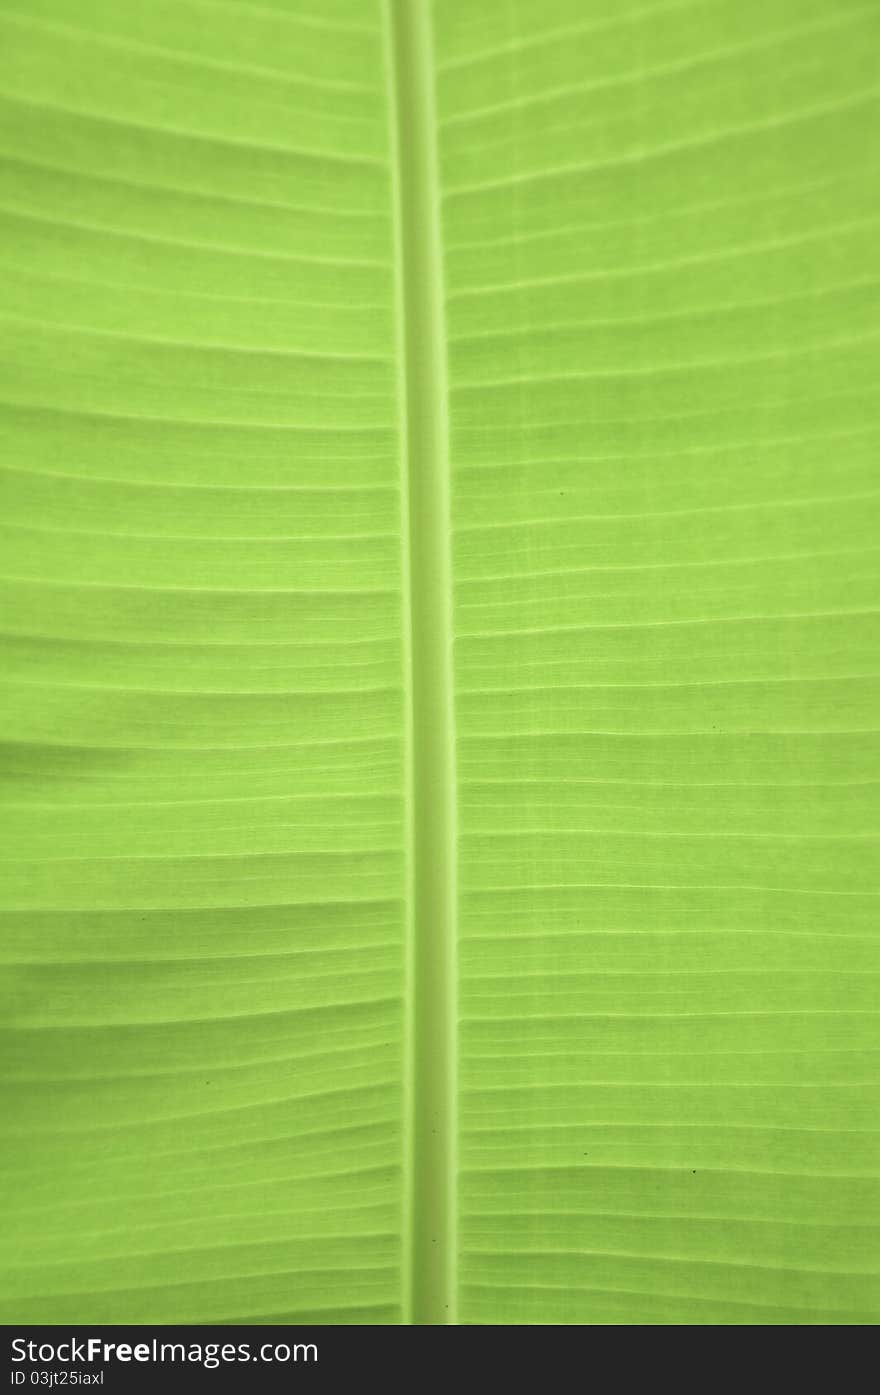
point(440, 661)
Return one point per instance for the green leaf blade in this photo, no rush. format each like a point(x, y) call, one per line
point(660, 277)
point(440, 579)
point(204, 882)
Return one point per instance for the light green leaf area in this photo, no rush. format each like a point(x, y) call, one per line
point(340, 338)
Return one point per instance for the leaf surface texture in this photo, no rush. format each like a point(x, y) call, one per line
point(644, 382)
